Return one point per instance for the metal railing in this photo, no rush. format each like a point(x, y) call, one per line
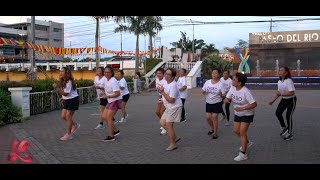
point(41, 102)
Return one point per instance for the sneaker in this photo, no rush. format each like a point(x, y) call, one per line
point(210, 132)
point(288, 137)
point(241, 157)
point(109, 139)
point(171, 148)
point(250, 143)
point(214, 136)
point(100, 126)
point(227, 123)
point(284, 132)
point(115, 121)
point(183, 120)
point(222, 118)
point(116, 133)
point(163, 132)
point(66, 137)
point(75, 128)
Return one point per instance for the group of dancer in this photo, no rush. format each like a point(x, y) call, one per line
point(171, 96)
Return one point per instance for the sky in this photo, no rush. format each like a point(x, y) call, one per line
point(80, 30)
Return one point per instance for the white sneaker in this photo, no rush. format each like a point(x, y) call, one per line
point(161, 127)
point(227, 123)
point(222, 118)
point(124, 119)
point(248, 145)
point(163, 132)
point(241, 157)
point(100, 126)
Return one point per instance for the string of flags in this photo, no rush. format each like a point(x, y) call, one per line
point(71, 51)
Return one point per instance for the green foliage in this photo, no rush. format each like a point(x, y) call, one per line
point(152, 62)
point(8, 112)
point(40, 85)
point(211, 62)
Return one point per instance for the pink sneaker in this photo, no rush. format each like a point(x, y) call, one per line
point(75, 128)
point(66, 137)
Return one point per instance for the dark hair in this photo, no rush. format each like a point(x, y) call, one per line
point(288, 72)
point(241, 78)
point(121, 72)
point(173, 72)
point(102, 69)
point(216, 69)
point(227, 71)
point(160, 69)
point(138, 73)
point(111, 69)
point(67, 76)
point(184, 70)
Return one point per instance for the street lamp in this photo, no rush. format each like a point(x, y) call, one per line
point(121, 50)
point(145, 55)
point(192, 39)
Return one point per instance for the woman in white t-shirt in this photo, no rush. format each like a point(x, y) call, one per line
point(213, 89)
point(98, 84)
point(67, 88)
point(226, 84)
point(160, 80)
point(125, 94)
point(243, 104)
point(112, 93)
point(286, 91)
point(182, 85)
point(172, 101)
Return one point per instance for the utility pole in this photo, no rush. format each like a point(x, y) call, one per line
point(271, 25)
point(33, 35)
point(97, 42)
point(192, 40)
point(121, 50)
point(145, 55)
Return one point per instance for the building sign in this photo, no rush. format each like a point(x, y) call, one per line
point(284, 37)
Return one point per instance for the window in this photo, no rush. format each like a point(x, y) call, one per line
point(57, 40)
point(57, 30)
point(42, 39)
point(41, 28)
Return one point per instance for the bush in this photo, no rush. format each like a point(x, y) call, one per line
point(8, 112)
point(152, 62)
point(212, 62)
point(40, 85)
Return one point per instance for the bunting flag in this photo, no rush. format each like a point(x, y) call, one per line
point(71, 51)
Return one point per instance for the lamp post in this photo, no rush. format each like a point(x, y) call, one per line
point(121, 51)
point(145, 55)
point(70, 49)
point(192, 39)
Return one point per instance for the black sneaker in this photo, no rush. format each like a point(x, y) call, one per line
point(116, 133)
point(288, 138)
point(210, 132)
point(214, 136)
point(109, 139)
point(284, 132)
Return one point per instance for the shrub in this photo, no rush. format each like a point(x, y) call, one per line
point(8, 112)
point(151, 63)
point(211, 62)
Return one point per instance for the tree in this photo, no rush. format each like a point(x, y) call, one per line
point(186, 44)
point(153, 26)
point(209, 49)
point(242, 44)
point(213, 61)
point(137, 26)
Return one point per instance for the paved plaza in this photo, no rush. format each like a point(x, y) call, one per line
point(140, 141)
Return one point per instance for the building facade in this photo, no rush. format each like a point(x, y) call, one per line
point(46, 33)
point(295, 49)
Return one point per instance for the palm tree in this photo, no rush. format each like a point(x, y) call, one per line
point(208, 49)
point(137, 26)
point(153, 23)
point(186, 44)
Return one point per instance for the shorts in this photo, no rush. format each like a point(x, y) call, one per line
point(103, 102)
point(172, 114)
point(246, 119)
point(71, 104)
point(115, 105)
point(214, 108)
point(125, 98)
